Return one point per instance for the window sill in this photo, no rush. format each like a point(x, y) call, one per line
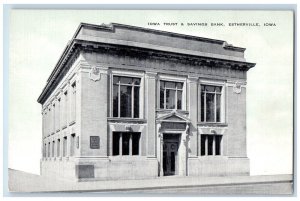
point(170, 110)
point(64, 127)
point(71, 123)
point(211, 124)
point(213, 157)
point(127, 158)
point(57, 130)
point(116, 119)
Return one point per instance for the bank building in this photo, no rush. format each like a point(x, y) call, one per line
point(126, 102)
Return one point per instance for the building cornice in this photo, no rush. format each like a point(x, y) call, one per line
point(112, 26)
point(169, 55)
point(73, 48)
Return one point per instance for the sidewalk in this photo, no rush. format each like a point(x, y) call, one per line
point(259, 185)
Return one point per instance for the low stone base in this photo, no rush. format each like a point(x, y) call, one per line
point(137, 167)
point(218, 166)
point(90, 169)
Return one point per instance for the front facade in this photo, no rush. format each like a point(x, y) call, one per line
point(126, 102)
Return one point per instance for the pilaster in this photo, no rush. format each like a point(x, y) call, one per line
point(93, 109)
point(193, 114)
point(150, 105)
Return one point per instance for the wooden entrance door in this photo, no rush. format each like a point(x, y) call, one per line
point(170, 156)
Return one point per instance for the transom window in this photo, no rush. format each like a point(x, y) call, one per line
point(126, 143)
point(171, 95)
point(211, 103)
point(126, 96)
point(211, 145)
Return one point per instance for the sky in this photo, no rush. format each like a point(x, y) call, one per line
point(38, 37)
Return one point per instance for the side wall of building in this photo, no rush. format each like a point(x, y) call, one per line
point(61, 145)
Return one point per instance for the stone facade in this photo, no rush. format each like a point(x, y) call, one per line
point(126, 102)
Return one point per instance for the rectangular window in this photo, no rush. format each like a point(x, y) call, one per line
point(72, 144)
point(45, 151)
point(57, 124)
point(53, 118)
point(73, 103)
point(171, 95)
point(126, 143)
point(48, 150)
point(126, 97)
point(65, 144)
point(218, 139)
point(53, 148)
point(211, 103)
point(116, 143)
point(66, 111)
point(49, 122)
point(211, 145)
point(203, 145)
point(58, 148)
point(135, 144)
point(44, 117)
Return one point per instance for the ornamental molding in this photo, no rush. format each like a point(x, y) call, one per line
point(95, 74)
point(237, 87)
point(192, 78)
point(233, 82)
point(173, 116)
point(151, 75)
point(197, 60)
point(125, 127)
point(212, 131)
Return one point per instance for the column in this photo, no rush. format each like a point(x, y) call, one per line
point(150, 103)
point(193, 114)
point(160, 149)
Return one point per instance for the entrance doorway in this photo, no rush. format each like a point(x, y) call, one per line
point(170, 154)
